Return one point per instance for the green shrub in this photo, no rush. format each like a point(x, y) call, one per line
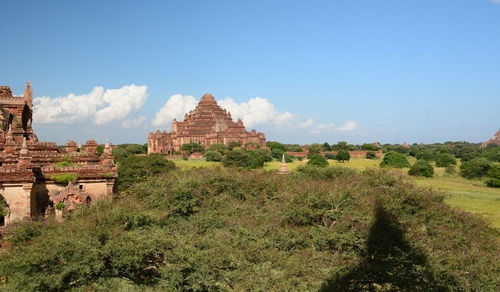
point(277, 153)
point(425, 155)
point(243, 158)
point(134, 169)
point(371, 155)
point(219, 147)
point(343, 155)
point(213, 156)
point(317, 160)
point(60, 206)
point(421, 168)
point(191, 148)
point(206, 230)
point(64, 178)
point(26, 232)
point(68, 161)
point(445, 160)
point(330, 156)
point(451, 169)
point(494, 176)
point(475, 168)
point(395, 159)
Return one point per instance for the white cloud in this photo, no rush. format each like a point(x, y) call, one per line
point(175, 108)
point(328, 127)
point(308, 123)
point(495, 1)
point(256, 111)
point(348, 126)
point(101, 106)
point(134, 123)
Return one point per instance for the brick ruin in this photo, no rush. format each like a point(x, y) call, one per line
point(495, 140)
point(207, 124)
point(32, 173)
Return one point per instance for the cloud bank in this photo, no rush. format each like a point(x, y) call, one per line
point(99, 106)
point(256, 111)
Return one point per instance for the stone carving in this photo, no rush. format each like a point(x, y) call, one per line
point(207, 124)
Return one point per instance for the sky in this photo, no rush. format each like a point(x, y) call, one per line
point(300, 71)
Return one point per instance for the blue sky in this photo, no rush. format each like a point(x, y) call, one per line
point(300, 71)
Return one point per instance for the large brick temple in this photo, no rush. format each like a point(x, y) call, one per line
point(31, 172)
point(207, 124)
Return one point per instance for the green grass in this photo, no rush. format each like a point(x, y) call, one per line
point(469, 195)
point(186, 164)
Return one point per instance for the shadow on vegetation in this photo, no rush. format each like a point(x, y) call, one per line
point(389, 262)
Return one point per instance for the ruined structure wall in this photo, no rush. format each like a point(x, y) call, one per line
point(18, 198)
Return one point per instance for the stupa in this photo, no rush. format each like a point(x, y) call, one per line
point(283, 169)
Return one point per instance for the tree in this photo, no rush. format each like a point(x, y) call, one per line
point(421, 168)
point(317, 160)
point(314, 148)
point(342, 145)
point(343, 156)
point(395, 159)
point(243, 158)
point(219, 147)
point(475, 168)
point(294, 148)
point(327, 147)
point(213, 156)
point(191, 148)
point(370, 155)
point(445, 159)
point(276, 145)
point(134, 169)
point(494, 177)
point(369, 147)
point(232, 145)
point(425, 155)
point(330, 156)
point(277, 153)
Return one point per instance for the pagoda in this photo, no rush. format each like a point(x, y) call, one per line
point(206, 125)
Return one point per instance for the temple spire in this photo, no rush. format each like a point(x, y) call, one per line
point(28, 94)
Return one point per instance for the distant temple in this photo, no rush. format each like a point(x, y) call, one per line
point(34, 175)
point(207, 124)
point(494, 140)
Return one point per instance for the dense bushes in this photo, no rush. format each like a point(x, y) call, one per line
point(342, 156)
point(317, 160)
point(395, 159)
point(371, 155)
point(134, 169)
point(445, 159)
point(213, 156)
point(206, 230)
point(421, 168)
point(494, 177)
point(475, 168)
point(243, 158)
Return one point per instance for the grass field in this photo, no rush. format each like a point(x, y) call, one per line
point(468, 195)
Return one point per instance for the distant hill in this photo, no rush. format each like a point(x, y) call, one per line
point(328, 229)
